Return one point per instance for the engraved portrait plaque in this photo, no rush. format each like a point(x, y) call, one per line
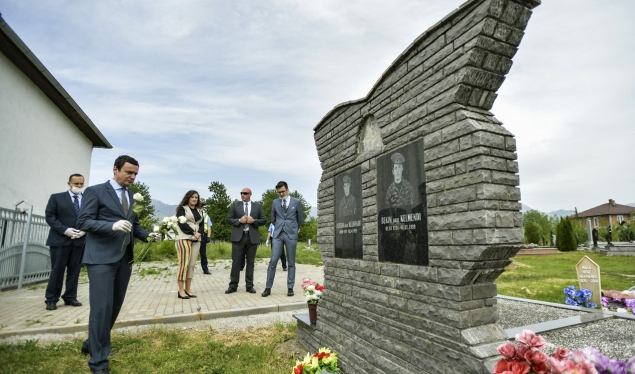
point(348, 214)
point(401, 204)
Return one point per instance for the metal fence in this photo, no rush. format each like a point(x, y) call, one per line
point(24, 257)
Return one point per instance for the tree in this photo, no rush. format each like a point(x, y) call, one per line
point(308, 230)
point(532, 233)
point(565, 240)
point(147, 218)
point(544, 222)
point(217, 207)
point(270, 195)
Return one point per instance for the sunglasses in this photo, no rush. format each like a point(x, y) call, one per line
point(245, 193)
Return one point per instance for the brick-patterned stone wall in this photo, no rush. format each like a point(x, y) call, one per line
point(393, 318)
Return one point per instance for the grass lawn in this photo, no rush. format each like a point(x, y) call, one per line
point(544, 277)
point(159, 350)
point(223, 251)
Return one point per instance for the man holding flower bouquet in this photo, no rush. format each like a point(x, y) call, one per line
point(108, 218)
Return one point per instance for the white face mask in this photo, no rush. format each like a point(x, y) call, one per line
point(76, 190)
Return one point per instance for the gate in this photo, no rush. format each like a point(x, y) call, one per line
point(24, 257)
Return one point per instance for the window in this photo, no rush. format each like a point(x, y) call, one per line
point(596, 222)
point(620, 219)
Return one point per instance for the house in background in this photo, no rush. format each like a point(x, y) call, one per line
point(45, 135)
point(606, 214)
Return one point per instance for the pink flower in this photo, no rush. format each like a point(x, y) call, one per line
point(535, 356)
point(508, 350)
point(527, 337)
point(541, 368)
point(565, 367)
point(582, 361)
point(522, 351)
point(560, 354)
point(511, 367)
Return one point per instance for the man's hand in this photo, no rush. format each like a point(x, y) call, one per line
point(267, 243)
point(197, 236)
point(250, 220)
point(70, 232)
point(243, 219)
point(81, 233)
point(154, 236)
point(123, 225)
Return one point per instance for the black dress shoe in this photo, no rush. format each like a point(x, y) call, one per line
point(191, 296)
point(251, 290)
point(207, 272)
point(231, 290)
point(101, 371)
point(284, 269)
point(290, 292)
point(51, 305)
point(72, 302)
point(266, 292)
point(86, 347)
point(178, 294)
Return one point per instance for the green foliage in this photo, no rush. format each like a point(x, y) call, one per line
point(532, 233)
point(544, 277)
point(546, 224)
point(270, 195)
point(147, 217)
point(624, 232)
point(308, 231)
point(565, 240)
point(217, 208)
point(583, 236)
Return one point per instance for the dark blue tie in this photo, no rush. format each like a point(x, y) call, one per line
point(284, 205)
point(76, 204)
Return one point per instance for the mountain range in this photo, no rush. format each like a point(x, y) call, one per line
point(560, 212)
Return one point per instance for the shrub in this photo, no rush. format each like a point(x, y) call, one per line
point(532, 233)
point(565, 240)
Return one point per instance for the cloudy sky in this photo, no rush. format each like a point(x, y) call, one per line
point(229, 91)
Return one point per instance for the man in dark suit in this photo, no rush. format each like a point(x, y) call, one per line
point(286, 217)
point(111, 226)
point(65, 242)
point(245, 238)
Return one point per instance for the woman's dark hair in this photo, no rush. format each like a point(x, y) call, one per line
point(186, 200)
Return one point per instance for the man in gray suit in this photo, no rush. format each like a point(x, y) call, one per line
point(245, 238)
point(286, 216)
point(111, 226)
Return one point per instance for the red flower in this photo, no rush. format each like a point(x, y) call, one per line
point(298, 369)
point(508, 350)
point(319, 288)
point(321, 355)
point(534, 356)
point(511, 367)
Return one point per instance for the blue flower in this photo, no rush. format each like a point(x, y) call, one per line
point(591, 304)
point(570, 301)
point(586, 293)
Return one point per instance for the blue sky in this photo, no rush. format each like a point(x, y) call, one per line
point(200, 91)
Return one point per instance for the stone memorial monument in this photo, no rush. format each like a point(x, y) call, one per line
point(589, 277)
point(438, 203)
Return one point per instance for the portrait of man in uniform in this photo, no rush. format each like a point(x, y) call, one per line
point(347, 205)
point(400, 192)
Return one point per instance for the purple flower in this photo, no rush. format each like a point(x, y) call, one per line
point(617, 367)
point(617, 299)
point(605, 301)
point(630, 303)
point(630, 365)
point(601, 362)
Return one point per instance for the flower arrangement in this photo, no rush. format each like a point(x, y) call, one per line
point(136, 208)
point(527, 357)
point(578, 298)
point(323, 359)
point(312, 290)
point(168, 223)
point(619, 305)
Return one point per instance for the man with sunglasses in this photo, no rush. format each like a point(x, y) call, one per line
point(245, 238)
point(286, 217)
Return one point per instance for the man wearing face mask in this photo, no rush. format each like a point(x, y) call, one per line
point(66, 243)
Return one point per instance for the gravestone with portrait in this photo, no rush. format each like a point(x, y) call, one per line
point(426, 177)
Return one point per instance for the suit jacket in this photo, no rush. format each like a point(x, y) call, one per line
point(60, 215)
point(100, 210)
point(233, 218)
point(288, 221)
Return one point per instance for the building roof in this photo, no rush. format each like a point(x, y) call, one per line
point(608, 208)
point(22, 57)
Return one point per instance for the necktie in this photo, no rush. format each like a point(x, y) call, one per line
point(124, 201)
point(246, 213)
point(76, 204)
point(284, 204)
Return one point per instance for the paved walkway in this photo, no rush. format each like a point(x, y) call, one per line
point(152, 298)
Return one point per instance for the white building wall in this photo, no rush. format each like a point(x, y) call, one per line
point(39, 146)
